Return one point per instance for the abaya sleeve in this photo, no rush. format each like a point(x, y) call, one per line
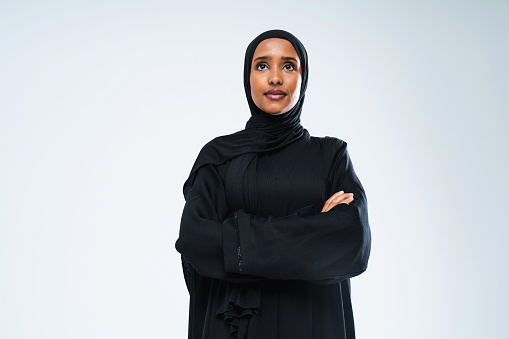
point(305, 245)
point(201, 229)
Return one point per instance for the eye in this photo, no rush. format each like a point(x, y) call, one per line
point(289, 67)
point(261, 66)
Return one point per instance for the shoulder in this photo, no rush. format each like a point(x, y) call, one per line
point(336, 143)
point(216, 150)
point(212, 145)
point(333, 146)
point(210, 156)
point(329, 141)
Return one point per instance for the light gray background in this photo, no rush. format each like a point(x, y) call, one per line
point(104, 106)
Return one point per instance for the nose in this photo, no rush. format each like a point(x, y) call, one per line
point(275, 77)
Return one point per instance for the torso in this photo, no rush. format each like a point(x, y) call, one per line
point(293, 177)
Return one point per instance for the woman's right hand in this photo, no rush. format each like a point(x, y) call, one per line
point(336, 199)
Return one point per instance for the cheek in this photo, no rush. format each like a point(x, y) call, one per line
point(253, 90)
point(256, 88)
point(252, 84)
point(296, 86)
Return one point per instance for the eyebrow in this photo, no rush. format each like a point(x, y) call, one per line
point(270, 58)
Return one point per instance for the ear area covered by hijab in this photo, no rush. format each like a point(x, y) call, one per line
point(263, 132)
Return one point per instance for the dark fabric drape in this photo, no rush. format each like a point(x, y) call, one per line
point(260, 260)
point(281, 271)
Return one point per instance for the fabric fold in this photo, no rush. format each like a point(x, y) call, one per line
point(237, 304)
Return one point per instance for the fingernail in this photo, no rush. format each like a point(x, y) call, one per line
point(341, 192)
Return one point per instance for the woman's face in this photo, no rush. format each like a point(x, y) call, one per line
point(276, 76)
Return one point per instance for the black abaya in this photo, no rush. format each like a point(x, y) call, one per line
point(260, 259)
point(272, 265)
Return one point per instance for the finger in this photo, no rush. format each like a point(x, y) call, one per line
point(335, 195)
point(345, 198)
point(328, 202)
point(348, 200)
point(333, 201)
point(340, 198)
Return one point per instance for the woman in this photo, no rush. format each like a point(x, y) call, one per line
point(260, 260)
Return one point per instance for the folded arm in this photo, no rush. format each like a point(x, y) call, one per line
point(307, 245)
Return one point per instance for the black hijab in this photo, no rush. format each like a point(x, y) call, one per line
point(263, 132)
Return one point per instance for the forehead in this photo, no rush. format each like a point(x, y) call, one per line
point(275, 47)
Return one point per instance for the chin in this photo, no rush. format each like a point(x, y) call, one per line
point(277, 113)
point(276, 110)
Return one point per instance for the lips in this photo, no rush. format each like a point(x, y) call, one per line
point(275, 94)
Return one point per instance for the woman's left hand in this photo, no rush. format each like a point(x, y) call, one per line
point(336, 199)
